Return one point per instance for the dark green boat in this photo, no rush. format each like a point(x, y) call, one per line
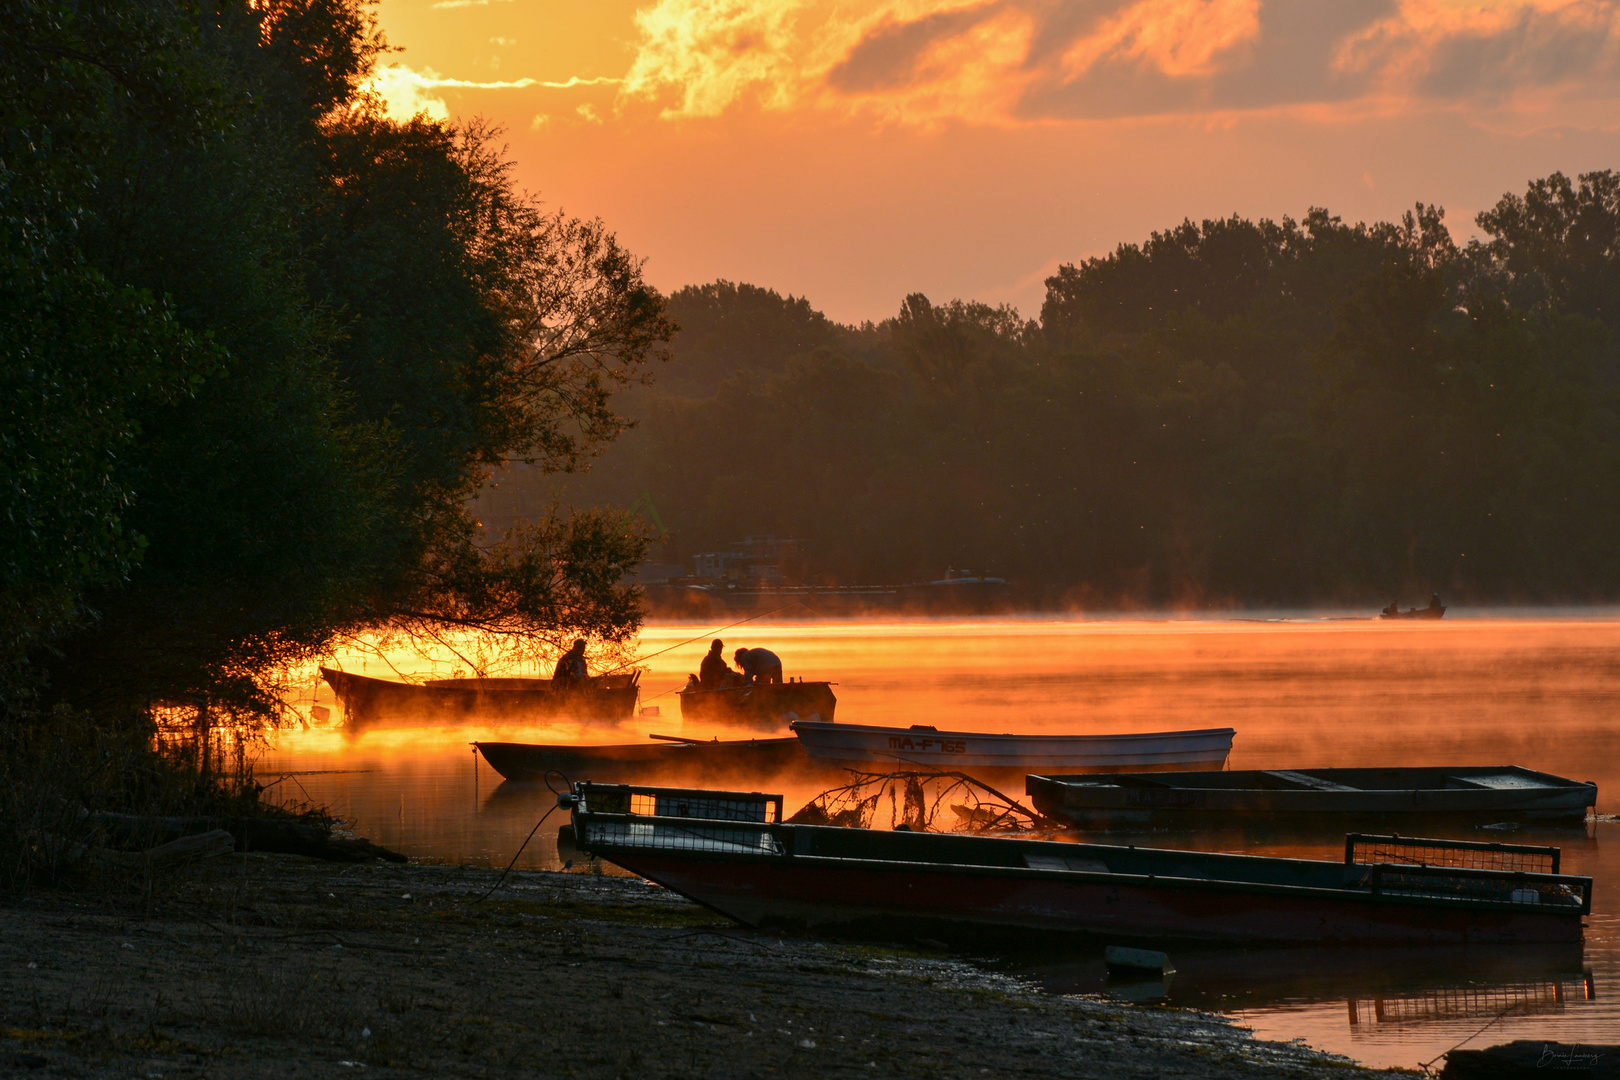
point(1306, 799)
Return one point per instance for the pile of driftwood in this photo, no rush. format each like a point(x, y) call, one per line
point(916, 799)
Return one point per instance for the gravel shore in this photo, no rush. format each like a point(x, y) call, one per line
point(276, 966)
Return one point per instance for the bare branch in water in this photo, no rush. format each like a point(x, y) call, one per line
point(916, 798)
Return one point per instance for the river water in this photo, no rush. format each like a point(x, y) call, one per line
point(1540, 690)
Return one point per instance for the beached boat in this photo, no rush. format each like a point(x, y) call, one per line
point(859, 746)
point(666, 757)
point(732, 853)
point(1323, 798)
point(367, 701)
point(766, 706)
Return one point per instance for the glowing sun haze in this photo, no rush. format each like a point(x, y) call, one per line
point(855, 152)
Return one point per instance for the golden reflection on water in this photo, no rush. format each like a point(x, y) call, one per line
point(1542, 693)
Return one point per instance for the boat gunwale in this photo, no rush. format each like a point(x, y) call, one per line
point(1184, 781)
point(817, 726)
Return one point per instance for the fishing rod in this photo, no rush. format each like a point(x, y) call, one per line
point(700, 637)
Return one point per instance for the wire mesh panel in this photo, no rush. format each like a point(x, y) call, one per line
point(1461, 854)
point(665, 836)
point(1498, 887)
point(681, 802)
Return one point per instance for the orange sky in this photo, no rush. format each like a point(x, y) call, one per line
point(855, 152)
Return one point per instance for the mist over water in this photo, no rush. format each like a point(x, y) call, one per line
point(1540, 691)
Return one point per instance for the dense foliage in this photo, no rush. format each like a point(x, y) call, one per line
point(260, 346)
point(1232, 412)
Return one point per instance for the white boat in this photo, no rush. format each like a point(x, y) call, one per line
point(887, 749)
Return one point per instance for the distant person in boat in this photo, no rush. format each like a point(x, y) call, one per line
point(570, 667)
point(759, 665)
point(714, 669)
point(1393, 609)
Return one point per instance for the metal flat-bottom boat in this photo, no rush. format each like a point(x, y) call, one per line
point(731, 852)
point(1009, 756)
point(373, 702)
point(1319, 798)
point(671, 760)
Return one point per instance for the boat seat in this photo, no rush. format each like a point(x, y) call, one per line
point(1288, 776)
point(1039, 860)
point(1500, 782)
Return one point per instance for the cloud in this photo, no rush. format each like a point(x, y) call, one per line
point(407, 93)
point(1024, 61)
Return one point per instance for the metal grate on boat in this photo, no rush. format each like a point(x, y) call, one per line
point(663, 835)
point(679, 802)
point(1462, 854)
point(1518, 874)
point(678, 819)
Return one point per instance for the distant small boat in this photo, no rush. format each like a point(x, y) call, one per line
point(766, 706)
point(1313, 798)
point(732, 852)
point(1435, 610)
point(888, 748)
point(668, 759)
point(367, 701)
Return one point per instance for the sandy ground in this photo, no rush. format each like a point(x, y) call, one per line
point(276, 966)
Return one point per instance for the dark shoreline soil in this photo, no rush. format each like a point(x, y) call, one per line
point(274, 966)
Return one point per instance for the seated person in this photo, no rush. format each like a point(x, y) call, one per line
point(759, 665)
point(713, 671)
point(570, 669)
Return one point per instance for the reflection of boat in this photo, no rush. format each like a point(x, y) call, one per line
point(667, 759)
point(368, 701)
point(1523, 997)
point(763, 705)
point(1303, 798)
point(727, 854)
point(1226, 978)
point(861, 746)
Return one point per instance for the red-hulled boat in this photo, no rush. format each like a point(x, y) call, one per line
point(731, 851)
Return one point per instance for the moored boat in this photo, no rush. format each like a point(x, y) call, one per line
point(669, 759)
point(766, 706)
point(369, 702)
point(731, 852)
point(885, 748)
point(1314, 798)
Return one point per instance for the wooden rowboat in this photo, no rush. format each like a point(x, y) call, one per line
point(732, 853)
point(765, 706)
point(371, 702)
point(668, 759)
point(886, 748)
point(1321, 798)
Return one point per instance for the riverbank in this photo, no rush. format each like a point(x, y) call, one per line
point(273, 965)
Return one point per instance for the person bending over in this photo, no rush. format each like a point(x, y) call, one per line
point(759, 665)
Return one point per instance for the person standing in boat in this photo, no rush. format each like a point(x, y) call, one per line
point(713, 671)
point(570, 669)
point(759, 666)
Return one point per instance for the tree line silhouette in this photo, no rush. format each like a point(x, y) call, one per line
point(1232, 412)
